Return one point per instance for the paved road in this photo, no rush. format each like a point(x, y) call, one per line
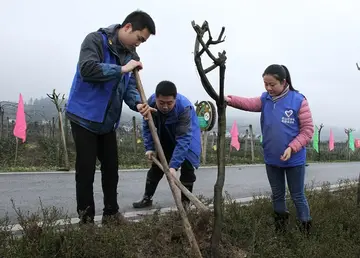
point(58, 189)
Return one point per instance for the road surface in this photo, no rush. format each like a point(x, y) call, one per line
point(58, 189)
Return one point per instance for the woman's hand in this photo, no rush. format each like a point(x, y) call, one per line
point(286, 155)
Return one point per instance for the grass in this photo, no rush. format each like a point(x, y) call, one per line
point(28, 169)
point(132, 167)
point(247, 230)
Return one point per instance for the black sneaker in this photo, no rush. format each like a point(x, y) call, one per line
point(143, 203)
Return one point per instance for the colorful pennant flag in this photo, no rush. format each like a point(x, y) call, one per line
point(235, 136)
point(351, 141)
point(316, 139)
point(331, 141)
point(20, 122)
point(357, 143)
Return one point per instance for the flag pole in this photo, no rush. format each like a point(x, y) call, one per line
point(16, 149)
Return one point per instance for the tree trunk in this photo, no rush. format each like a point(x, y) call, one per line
point(204, 146)
point(358, 192)
point(1, 122)
point(252, 143)
point(66, 155)
point(319, 141)
point(218, 188)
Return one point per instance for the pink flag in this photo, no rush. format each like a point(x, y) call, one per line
point(235, 136)
point(20, 122)
point(331, 141)
point(357, 143)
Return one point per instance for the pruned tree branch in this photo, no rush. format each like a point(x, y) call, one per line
point(358, 67)
point(210, 68)
point(58, 102)
point(220, 60)
point(349, 130)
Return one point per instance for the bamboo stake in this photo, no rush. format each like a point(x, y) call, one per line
point(187, 227)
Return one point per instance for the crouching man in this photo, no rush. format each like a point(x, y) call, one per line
point(179, 133)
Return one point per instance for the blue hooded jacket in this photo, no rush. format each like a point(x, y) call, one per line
point(182, 126)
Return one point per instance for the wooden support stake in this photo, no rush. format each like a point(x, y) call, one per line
point(188, 230)
point(16, 150)
point(134, 133)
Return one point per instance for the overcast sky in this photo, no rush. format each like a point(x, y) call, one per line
point(318, 41)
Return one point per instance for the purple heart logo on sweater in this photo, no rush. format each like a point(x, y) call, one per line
point(288, 113)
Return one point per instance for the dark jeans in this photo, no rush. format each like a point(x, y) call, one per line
point(155, 174)
point(90, 146)
point(295, 179)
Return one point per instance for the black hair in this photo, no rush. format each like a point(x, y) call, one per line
point(140, 20)
point(281, 73)
point(166, 88)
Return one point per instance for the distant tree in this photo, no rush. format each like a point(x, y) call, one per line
point(59, 104)
point(319, 131)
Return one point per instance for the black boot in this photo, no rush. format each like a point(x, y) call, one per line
point(146, 201)
point(281, 221)
point(305, 227)
point(85, 220)
point(85, 217)
point(184, 200)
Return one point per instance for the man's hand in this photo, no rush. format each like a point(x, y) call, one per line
point(145, 109)
point(173, 171)
point(131, 65)
point(150, 154)
point(286, 155)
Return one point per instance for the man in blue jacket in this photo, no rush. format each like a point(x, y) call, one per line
point(179, 133)
point(103, 79)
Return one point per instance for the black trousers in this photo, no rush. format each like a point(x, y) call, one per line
point(90, 146)
point(155, 174)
